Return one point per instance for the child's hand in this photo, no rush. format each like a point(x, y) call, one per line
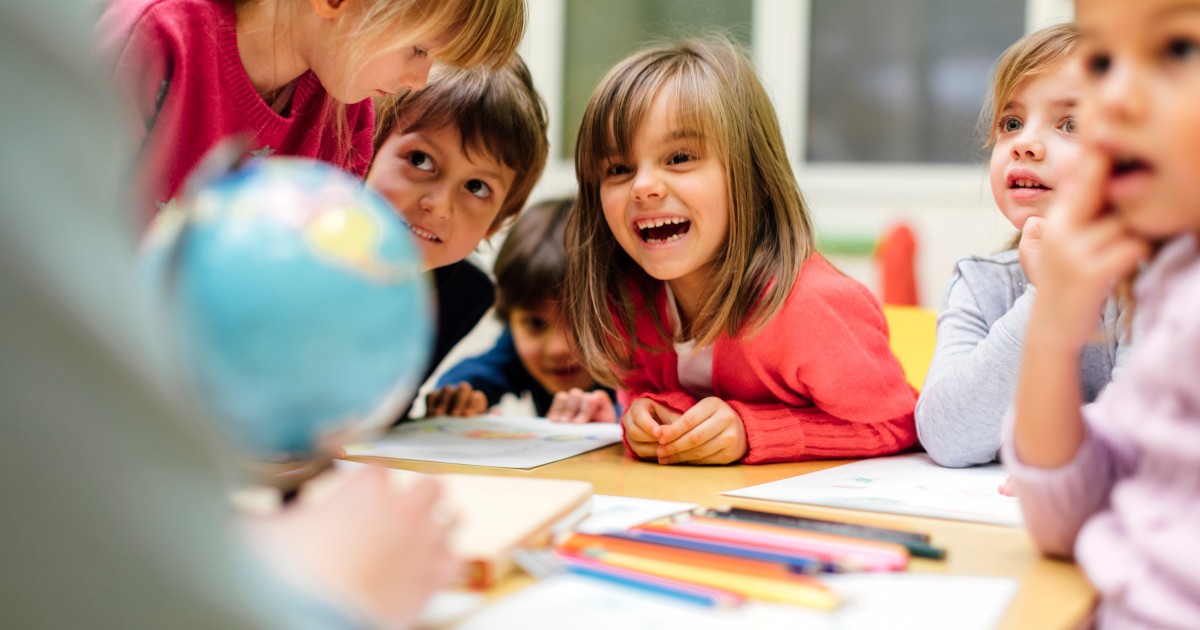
point(1030, 248)
point(711, 432)
point(1007, 488)
point(455, 400)
point(1085, 249)
point(577, 407)
point(380, 549)
point(642, 423)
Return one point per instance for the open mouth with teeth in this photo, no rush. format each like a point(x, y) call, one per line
point(1027, 183)
point(422, 233)
point(662, 230)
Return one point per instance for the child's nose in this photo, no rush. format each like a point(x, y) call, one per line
point(647, 185)
point(436, 203)
point(558, 345)
point(1028, 146)
point(416, 75)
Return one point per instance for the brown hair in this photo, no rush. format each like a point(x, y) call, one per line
point(531, 265)
point(1029, 56)
point(770, 236)
point(497, 112)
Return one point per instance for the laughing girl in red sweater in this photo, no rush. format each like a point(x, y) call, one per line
point(691, 232)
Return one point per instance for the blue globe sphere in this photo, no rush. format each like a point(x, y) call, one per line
point(299, 302)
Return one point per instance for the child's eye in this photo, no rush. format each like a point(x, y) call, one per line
point(535, 324)
point(420, 160)
point(1098, 64)
point(1181, 49)
point(680, 158)
point(615, 170)
point(1010, 124)
point(1069, 125)
point(420, 53)
point(479, 188)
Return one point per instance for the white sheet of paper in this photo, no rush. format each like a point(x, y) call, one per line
point(489, 440)
point(447, 607)
point(898, 600)
point(904, 484)
point(614, 514)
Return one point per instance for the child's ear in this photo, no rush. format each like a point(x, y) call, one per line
point(329, 9)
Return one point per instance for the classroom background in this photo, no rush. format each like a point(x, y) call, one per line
point(879, 104)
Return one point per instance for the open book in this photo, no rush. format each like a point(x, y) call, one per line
point(497, 515)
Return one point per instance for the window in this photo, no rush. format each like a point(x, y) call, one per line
point(903, 80)
point(599, 33)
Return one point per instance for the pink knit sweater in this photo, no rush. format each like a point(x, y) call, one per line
point(819, 381)
point(177, 63)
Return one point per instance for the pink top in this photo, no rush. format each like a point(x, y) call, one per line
point(177, 62)
point(818, 381)
point(1128, 504)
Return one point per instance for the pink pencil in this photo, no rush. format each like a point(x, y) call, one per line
point(868, 557)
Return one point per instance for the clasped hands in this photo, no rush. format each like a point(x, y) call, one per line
point(711, 432)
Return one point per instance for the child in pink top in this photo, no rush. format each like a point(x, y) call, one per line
point(296, 78)
point(1118, 483)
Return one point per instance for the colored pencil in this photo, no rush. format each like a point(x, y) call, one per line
point(584, 544)
point(797, 563)
point(869, 554)
point(916, 543)
point(787, 592)
point(686, 591)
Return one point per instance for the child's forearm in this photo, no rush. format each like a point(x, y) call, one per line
point(1049, 425)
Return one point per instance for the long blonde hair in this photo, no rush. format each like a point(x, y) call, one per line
point(770, 234)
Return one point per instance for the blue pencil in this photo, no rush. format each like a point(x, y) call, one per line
point(796, 563)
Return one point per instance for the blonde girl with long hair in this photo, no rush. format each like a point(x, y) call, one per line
point(1033, 132)
point(294, 77)
point(694, 285)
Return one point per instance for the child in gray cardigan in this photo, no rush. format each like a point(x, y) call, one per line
point(981, 327)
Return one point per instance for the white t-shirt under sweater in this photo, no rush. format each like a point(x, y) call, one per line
point(695, 365)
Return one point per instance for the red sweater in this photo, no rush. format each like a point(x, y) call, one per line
point(818, 381)
point(177, 63)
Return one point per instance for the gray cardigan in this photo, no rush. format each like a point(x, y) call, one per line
point(972, 380)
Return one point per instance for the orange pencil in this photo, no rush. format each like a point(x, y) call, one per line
point(583, 543)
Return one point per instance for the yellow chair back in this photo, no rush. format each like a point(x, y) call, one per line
point(913, 330)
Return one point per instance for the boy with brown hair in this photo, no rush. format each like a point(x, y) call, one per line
point(458, 160)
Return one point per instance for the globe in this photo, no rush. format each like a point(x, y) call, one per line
point(298, 301)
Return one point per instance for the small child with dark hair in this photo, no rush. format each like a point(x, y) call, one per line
point(536, 353)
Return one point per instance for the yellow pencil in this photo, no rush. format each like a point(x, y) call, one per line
point(810, 596)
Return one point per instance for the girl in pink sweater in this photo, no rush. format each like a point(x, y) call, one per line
point(295, 77)
point(693, 283)
point(1118, 484)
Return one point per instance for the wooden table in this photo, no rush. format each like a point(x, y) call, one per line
point(1052, 594)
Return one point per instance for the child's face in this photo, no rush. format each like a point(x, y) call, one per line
point(449, 198)
point(1142, 63)
point(547, 348)
point(666, 203)
point(1036, 144)
point(406, 68)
